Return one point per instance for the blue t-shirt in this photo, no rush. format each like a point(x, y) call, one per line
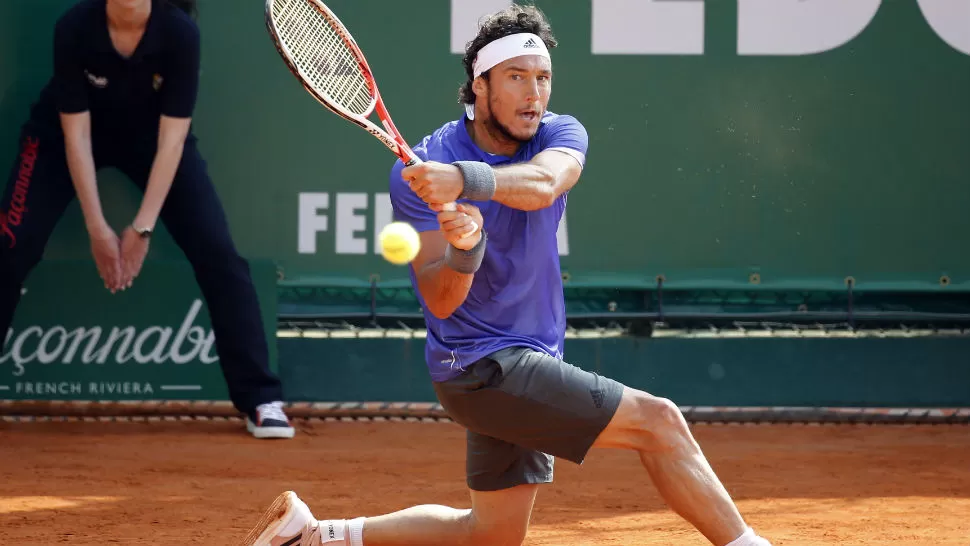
point(516, 297)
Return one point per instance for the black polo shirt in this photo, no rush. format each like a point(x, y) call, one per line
point(125, 96)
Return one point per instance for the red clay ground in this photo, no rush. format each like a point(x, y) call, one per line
point(205, 482)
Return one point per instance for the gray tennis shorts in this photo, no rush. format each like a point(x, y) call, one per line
point(522, 408)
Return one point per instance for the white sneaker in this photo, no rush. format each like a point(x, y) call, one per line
point(269, 421)
point(287, 522)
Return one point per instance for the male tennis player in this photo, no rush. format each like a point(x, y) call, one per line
point(488, 278)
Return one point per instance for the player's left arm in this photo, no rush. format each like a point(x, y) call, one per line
point(538, 183)
point(531, 185)
point(555, 170)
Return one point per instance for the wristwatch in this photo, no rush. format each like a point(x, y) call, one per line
point(144, 232)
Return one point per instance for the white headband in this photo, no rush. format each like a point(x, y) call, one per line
point(503, 49)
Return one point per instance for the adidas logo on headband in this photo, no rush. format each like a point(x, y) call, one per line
point(530, 44)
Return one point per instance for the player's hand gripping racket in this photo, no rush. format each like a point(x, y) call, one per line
point(323, 55)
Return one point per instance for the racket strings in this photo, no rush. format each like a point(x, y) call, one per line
point(321, 55)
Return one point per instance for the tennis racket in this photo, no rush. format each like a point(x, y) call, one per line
point(322, 54)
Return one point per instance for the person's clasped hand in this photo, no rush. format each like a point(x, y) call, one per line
point(134, 248)
point(106, 250)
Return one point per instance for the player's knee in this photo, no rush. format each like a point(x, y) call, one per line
point(660, 423)
point(490, 534)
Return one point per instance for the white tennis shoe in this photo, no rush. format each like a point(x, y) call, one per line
point(287, 522)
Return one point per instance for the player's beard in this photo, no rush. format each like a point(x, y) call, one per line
point(498, 130)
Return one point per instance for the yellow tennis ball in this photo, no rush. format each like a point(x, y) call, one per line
point(400, 242)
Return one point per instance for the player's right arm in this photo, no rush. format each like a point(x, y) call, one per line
point(443, 266)
point(443, 285)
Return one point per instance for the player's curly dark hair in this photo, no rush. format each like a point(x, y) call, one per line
point(512, 20)
point(188, 6)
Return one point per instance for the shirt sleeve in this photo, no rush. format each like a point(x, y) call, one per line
point(70, 86)
point(566, 134)
point(180, 88)
point(407, 206)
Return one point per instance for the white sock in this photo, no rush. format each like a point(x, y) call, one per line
point(332, 531)
point(342, 532)
point(749, 538)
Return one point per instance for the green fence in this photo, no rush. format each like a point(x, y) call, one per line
point(716, 151)
point(784, 369)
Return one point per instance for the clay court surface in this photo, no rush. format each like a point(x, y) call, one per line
point(204, 482)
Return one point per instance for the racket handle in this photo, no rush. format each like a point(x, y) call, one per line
point(450, 207)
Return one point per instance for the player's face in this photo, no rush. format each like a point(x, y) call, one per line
point(518, 93)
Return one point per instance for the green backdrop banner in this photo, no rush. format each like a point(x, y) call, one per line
point(73, 340)
point(800, 140)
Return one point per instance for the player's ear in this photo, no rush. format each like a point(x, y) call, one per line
point(480, 87)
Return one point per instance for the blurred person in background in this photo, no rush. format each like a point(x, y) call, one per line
point(123, 91)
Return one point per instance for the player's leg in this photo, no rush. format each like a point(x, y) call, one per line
point(496, 518)
point(194, 217)
point(38, 191)
point(655, 427)
point(535, 402)
point(542, 403)
point(563, 410)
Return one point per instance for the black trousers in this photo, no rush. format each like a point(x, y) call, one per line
point(40, 189)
